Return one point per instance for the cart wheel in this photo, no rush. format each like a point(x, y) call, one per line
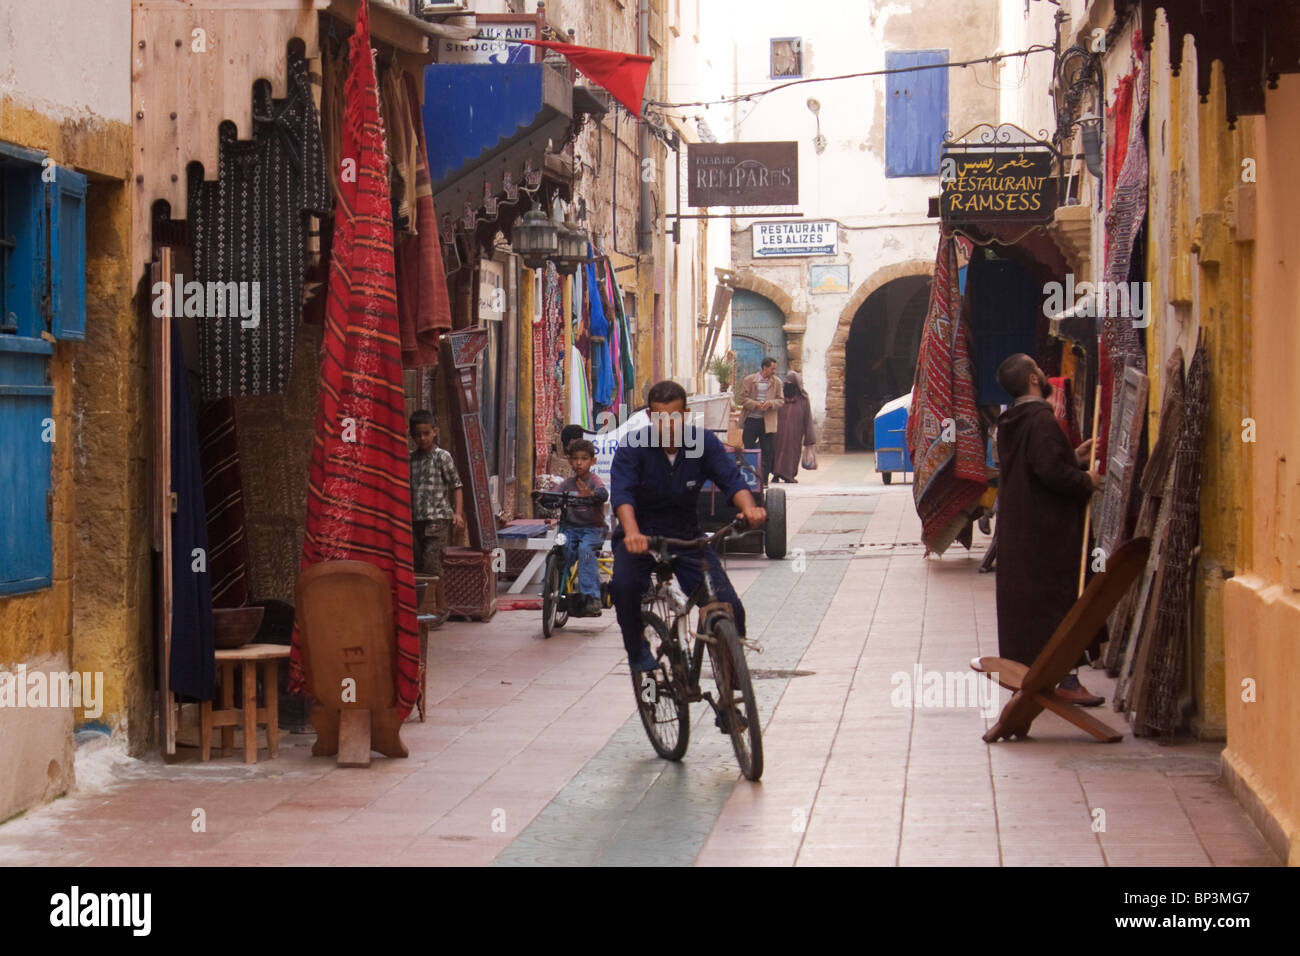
point(886, 476)
point(774, 533)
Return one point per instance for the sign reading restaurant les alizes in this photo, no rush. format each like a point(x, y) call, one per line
point(742, 174)
point(997, 186)
point(817, 237)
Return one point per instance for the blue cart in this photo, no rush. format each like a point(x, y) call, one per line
point(891, 438)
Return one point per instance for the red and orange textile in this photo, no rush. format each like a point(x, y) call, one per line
point(358, 498)
point(424, 307)
point(943, 428)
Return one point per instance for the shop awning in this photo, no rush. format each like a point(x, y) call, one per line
point(486, 121)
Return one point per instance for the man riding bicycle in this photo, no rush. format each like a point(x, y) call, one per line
point(655, 482)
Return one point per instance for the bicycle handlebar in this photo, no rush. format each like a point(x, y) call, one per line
point(659, 542)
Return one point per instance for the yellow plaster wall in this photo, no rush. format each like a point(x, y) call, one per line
point(1262, 604)
point(96, 615)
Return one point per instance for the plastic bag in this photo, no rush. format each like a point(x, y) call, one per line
point(809, 462)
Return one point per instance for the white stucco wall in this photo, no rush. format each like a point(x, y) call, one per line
point(883, 221)
point(67, 58)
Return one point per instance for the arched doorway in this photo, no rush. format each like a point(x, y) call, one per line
point(757, 331)
point(880, 354)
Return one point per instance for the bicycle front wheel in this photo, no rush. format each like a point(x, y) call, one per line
point(664, 714)
point(552, 616)
point(737, 708)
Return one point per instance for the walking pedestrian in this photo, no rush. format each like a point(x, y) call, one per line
point(761, 400)
point(1043, 488)
point(794, 430)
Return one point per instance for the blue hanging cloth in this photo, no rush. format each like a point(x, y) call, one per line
point(604, 391)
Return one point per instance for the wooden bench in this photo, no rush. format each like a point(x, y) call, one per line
point(246, 658)
point(1034, 686)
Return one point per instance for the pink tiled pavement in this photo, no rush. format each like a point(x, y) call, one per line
point(850, 779)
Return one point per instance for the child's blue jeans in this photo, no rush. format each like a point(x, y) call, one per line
point(585, 542)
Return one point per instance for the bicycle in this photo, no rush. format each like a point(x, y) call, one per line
point(664, 701)
point(560, 584)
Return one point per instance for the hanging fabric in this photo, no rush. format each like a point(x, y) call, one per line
point(423, 304)
point(627, 363)
point(603, 392)
point(193, 667)
point(250, 228)
point(1124, 219)
point(950, 475)
point(358, 496)
point(223, 491)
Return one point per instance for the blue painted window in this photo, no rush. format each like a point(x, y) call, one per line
point(42, 290)
point(916, 113)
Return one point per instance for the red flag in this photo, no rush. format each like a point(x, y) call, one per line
point(623, 74)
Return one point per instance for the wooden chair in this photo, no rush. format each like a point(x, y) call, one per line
point(1034, 686)
point(345, 622)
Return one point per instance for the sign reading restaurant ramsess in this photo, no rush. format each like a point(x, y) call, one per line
point(742, 174)
point(813, 237)
point(1001, 186)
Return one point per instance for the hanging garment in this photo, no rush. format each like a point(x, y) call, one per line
point(603, 393)
point(358, 497)
point(1063, 408)
point(1124, 219)
point(423, 305)
point(399, 137)
point(950, 476)
point(579, 399)
point(627, 363)
point(250, 227)
point(193, 668)
point(547, 393)
point(223, 491)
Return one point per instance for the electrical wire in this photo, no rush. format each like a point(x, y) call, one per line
point(758, 94)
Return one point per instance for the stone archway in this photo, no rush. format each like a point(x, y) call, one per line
point(832, 429)
point(796, 323)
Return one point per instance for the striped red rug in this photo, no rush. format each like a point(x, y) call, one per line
point(358, 500)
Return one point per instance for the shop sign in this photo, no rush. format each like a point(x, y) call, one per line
point(742, 174)
point(817, 237)
point(491, 291)
point(493, 45)
point(997, 186)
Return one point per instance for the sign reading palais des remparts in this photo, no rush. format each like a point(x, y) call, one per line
point(742, 174)
point(997, 186)
point(815, 237)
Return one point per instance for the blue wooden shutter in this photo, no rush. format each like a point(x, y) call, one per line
point(26, 556)
point(916, 113)
point(25, 280)
point(67, 202)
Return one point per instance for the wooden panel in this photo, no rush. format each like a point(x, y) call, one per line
point(161, 381)
point(184, 83)
point(1122, 453)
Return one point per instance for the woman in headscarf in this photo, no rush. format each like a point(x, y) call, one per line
point(794, 430)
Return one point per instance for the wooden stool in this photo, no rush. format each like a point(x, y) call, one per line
point(426, 621)
point(247, 657)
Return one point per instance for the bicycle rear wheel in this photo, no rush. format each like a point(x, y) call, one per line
point(737, 708)
point(664, 714)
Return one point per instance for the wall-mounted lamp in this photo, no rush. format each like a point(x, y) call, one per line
point(536, 238)
point(1090, 128)
point(819, 141)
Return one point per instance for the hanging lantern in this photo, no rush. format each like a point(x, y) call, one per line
point(535, 238)
point(573, 247)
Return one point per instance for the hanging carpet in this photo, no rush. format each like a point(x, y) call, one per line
point(358, 499)
point(950, 474)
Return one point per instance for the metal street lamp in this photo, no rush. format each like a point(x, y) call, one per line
point(535, 238)
point(573, 247)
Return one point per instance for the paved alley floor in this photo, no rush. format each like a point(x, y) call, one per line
point(533, 754)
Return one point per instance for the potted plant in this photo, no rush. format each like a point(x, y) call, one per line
point(722, 368)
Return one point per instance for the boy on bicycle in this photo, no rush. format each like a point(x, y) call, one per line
point(584, 525)
point(655, 482)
